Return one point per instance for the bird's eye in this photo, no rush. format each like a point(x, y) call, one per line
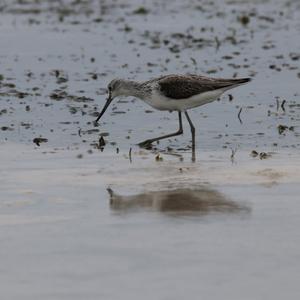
point(109, 88)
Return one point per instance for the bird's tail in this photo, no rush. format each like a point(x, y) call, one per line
point(232, 83)
point(240, 80)
point(228, 84)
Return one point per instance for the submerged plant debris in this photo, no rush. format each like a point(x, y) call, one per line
point(40, 140)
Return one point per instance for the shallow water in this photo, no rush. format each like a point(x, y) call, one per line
point(79, 222)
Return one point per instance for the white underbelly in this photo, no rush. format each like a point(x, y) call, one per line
point(163, 103)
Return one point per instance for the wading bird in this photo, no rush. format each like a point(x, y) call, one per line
point(173, 93)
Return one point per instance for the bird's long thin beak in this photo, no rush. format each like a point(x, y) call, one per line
point(108, 101)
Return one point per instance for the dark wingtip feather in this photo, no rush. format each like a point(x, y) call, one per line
point(243, 80)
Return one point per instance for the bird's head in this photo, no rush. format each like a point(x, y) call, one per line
point(116, 88)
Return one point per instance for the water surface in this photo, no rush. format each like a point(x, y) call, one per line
point(81, 222)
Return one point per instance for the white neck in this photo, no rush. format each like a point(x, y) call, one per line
point(133, 88)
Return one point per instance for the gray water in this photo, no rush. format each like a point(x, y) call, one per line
point(79, 222)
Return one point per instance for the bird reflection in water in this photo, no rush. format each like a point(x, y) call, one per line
point(202, 201)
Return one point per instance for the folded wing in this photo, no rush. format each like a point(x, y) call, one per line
point(182, 87)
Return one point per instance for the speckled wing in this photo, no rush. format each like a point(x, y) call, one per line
point(183, 87)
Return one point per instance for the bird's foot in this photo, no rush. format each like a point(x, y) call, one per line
point(95, 123)
point(146, 144)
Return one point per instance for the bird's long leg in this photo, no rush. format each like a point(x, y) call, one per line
point(180, 131)
point(192, 130)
